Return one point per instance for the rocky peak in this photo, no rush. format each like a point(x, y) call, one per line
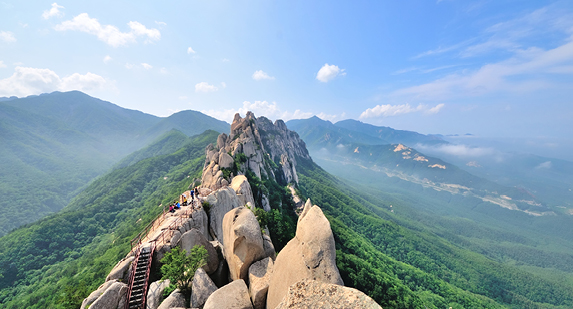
point(269, 150)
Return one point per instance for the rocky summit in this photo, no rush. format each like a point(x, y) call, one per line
point(242, 269)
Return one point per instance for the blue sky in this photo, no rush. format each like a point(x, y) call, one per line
point(491, 68)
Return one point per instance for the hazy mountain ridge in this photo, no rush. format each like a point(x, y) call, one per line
point(54, 144)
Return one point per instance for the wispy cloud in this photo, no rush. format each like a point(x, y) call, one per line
point(388, 110)
point(458, 150)
point(29, 81)
point(260, 75)
point(7, 36)
point(107, 59)
point(54, 11)
point(190, 50)
point(205, 87)
point(267, 109)
point(109, 34)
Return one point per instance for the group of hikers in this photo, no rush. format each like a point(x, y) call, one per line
point(184, 201)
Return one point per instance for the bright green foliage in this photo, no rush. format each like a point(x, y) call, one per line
point(180, 268)
point(83, 242)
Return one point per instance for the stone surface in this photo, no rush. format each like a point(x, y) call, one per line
point(243, 242)
point(311, 254)
point(243, 189)
point(221, 275)
point(200, 221)
point(120, 270)
point(225, 160)
point(155, 293)
point(221, 201)
point(111, 297)
point(259, 277)
point(194, 237)
point(315, 294)
point(97, 293)
point(174, 300)
point(202, 288)
point(268, 246)
point(234, 295)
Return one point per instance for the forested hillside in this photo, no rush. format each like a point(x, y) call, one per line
point(55, 262)
point(54, 144)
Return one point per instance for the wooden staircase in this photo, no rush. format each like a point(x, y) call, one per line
point(138, 281)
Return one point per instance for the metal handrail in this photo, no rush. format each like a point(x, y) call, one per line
point(132, 277)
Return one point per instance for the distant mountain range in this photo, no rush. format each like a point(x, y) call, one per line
point(54, 144)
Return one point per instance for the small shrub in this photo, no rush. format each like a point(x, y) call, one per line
point(180, 268)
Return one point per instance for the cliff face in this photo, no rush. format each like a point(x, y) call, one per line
point(254, 145)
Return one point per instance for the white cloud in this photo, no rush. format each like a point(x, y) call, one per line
point(435, 109)
point(545, 165)
point(54, 11)
point(225, 60)
point(458, 150)
point(190, 50)
point(388, 110)
point(2, 65)
point(163, 71)
point(109, 34)
point(146, 66)
point(329, 72)
point(29, 81)
point(7, 36)
point(160, 23)
point(107, 59)
point(522, 73)
point(129, 66)
point(205, 87)
point(266, 109)
point(259, 75)
point(223, 85)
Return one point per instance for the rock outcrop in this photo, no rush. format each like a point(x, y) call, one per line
point(121, 270)
point(259, 276)
point(155, 293)
point(221, 202)
point(234, 295)
point(243, 242)
point(192, 238)
point(201, 289)
point(311, 254)
point(174, 300)
point(314, 294)
point(88, 301)
point(113, 297)
point(243, 189)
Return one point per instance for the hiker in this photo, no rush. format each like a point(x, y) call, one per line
point(193, 194)
point(171, 208)
point(177, 205)
point(184, 199)
point(197, 192)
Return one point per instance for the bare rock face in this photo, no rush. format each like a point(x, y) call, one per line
point(259, 277)
point(243, 189)
point(174, 300)
point(234, 295)
point(111, 298)
point(96, 294)
point(155, 293)
point(201, 289)
point(225, 160)
point(194, 237)
point(200, 221)
point(221, 201)
point(269, 247)
point(315, 294)
point(311, 254)
point(121, 269)
point(243, 242)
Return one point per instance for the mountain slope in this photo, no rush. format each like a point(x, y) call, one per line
point(57, 260)
point(54, 144)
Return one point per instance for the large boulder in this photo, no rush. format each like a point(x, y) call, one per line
point(314, 294)
point(111, 298)
point(221, 201)
point(225, 160)
point(155, 293)
point(243, 189)
point(174, 300)
point(234, 295)
point(121, 270)
point(201, 289)
point(242, 241)
point(269, 247)
point(200, 221)
point(311, 254)
point(96, 294)
point(259, 277)
point(194, 237)
point(221, 276)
